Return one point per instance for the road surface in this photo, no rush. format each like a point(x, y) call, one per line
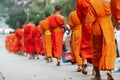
point(15, 67)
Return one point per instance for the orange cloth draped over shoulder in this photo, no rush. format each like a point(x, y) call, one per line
point(103, 41)
point(36, 36)
point(55, 23)
point(28, 39)
point(19, 34)
point(76, 27)
point(115, 7)
point(47, 37)
point(86, 44)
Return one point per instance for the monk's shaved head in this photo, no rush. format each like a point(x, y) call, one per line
point(47, 14)
point(58, 8)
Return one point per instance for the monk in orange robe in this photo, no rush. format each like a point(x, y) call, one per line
point(19, 34)
point(103, 41)
point(86, 43)
point(115, 7)
point(47, 37)
point(15, 43)
point(56, 22)
point(11, 38)
point(28, 39)
point(10, 42)
point(76, 27)
point(36, 36)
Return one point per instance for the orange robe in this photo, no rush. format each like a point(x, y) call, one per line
point(28, 39)
point(19, 34)
point(13, 43)
point(47, 37)
point(42, 43)
point(103, 41)
point(86, 44)
point(7, 42)
point(56, 22)
point(115, 7)
point(11, 38)
point(36, 37)
point(76, 28)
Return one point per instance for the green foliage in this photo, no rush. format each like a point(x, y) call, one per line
point(67, 6)
point(16, 16)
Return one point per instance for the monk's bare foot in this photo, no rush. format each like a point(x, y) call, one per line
point(109, 76)
point(84, 71)
point(93, 72)
point(58, 63)
point(79, 69)
point(50, 59)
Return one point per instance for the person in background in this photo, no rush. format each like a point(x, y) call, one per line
point(47, 37)
point(76, 28)
point(56, 24)
point(103, 39)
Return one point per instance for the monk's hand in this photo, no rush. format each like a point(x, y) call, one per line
point(118, 25)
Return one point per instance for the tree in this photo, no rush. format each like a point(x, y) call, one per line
point(16, 16)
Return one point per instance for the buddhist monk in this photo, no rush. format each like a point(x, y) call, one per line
point(103, 41)
point(9, 42)
point(37, 42)
point(56, 22)
point(19, 34)
point(28, 39)
point(86, 44)
point(76, 27)
point(115, 7)
point(47, 37)
point(15, 43)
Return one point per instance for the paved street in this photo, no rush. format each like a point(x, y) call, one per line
point(15, 67)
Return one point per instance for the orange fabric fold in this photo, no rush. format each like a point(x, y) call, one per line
point(47, 37)
point(28, 39)
point(115, 8)
point(103, 41)
point(36, 37)
point(86, 44)
point(76, 28)
point(55, 23)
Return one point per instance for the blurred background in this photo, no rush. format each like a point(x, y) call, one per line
point(20, 11)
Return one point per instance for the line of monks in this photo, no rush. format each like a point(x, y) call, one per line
point(92, 38)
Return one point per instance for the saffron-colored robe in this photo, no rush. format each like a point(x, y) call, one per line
point(103, 41)
point(11, 38)
point(115, 7)
point(7, 43)
point(36, 37)
point(42, 43)
point(86, 44)
point(15, 43)
point(47, 37)
point(76, 27)
point(28, 39)
point(19, 34)
point(56, 22)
